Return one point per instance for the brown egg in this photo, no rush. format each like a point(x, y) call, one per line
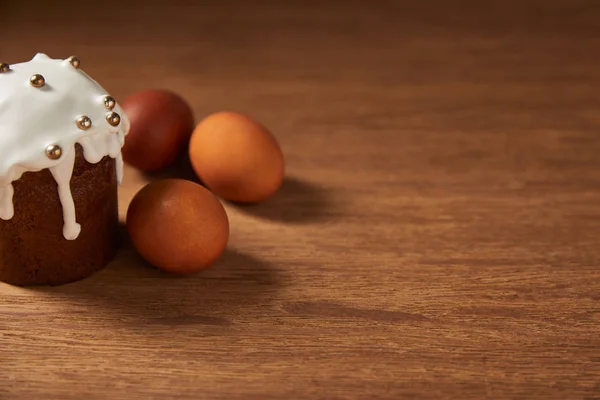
point(177, 225)
point(161, 125)
point(236, 157)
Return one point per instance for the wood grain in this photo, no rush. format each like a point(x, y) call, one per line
point(438, 235)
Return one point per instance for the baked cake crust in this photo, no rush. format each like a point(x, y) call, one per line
point(33, 250)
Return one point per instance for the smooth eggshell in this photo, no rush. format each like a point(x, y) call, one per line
point(161, 125)
point(236, 157)
point(177, 225)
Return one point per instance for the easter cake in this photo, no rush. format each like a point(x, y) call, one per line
point(61, 135)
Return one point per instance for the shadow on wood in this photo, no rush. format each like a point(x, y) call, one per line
point(297, 201)
point(133, 293)
point(181, 168)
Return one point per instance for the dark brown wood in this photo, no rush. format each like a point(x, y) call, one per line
point(438, 235)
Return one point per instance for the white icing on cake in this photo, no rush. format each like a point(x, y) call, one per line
point(33, 118)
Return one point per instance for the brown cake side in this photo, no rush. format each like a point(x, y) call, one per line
point(33, 250)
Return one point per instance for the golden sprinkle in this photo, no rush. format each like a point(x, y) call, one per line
point(109, 102)
point(4, 68)
point(37, 81)
point(113, 118)
point(74, 61)
point(54, 152)
point(84, 123)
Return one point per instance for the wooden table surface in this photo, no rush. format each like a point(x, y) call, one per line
point(437, 235)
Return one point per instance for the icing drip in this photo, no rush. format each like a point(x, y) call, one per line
point(7, 209)
point(62, 175)
point(68, 108)
point(120, 168)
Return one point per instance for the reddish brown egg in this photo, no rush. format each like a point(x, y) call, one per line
point(236, 157)
point(177, 225)
point(161, 125)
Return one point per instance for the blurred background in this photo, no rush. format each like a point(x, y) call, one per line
point(235, 47)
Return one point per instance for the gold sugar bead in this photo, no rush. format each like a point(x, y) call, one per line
point(4, 68)
point(109, 102)
point(74, 61)
point(113, 118)
point(37, 81)
point(54, 152)
point(84, 123)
